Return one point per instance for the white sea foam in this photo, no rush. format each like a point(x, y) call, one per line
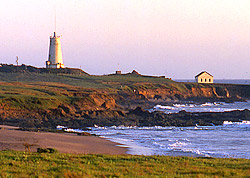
point(215, 141)
point(230, 140)
point(237, 124)
point(177, 145)
point(204, 107)
point(179, 105)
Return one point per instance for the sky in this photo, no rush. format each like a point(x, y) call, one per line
point(175, 38)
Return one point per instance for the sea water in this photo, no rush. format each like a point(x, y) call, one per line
point(227, 141)
point(222, 81)
point(202, 107)
point(213, 141)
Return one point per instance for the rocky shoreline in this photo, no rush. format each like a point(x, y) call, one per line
point(45, 100)
point(135, 117)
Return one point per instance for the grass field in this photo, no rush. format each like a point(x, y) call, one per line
point(46, 91)
point(111, 81)
point(20, 164)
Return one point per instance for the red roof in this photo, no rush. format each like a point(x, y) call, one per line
point(203, 73)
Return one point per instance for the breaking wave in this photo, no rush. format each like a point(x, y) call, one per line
point(210, 141)
point(204, 107)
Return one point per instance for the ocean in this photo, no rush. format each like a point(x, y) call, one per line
point(228, 141)
point(213, 141)
point(202, 107)
point(223, 81)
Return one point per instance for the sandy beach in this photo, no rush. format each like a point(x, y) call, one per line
point(12, 139)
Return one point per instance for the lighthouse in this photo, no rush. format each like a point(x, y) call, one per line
point(55, 59)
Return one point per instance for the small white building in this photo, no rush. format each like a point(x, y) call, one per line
point(204, 77)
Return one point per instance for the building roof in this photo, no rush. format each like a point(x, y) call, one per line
point(203, 73)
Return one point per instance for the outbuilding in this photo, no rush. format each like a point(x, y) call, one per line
point(204, 77)
point(118, 72)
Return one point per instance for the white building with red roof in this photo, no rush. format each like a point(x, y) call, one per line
point(204, 77)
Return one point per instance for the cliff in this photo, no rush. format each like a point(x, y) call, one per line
point(44, 100)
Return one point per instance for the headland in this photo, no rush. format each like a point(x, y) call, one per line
point(42, 98)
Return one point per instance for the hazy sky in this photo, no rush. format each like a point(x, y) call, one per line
point(176, 38)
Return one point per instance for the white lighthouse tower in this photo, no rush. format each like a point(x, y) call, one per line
point(55, 60)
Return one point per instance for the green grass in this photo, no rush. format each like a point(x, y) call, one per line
point(47, 91)
point(112, 81)
point(20, 164)
point(29, 96)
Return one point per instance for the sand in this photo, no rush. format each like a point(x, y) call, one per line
point(12, 139)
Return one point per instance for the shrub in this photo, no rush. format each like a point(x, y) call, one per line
point(47, 150)
point(85, 134)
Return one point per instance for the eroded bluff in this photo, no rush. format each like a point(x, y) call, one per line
point(115, 105)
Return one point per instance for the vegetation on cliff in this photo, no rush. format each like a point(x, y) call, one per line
point(46, 99)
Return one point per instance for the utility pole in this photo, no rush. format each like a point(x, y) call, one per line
point(17, 61)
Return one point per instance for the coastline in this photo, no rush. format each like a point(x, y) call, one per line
point(12, 139)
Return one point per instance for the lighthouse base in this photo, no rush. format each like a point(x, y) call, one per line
point(54, 66)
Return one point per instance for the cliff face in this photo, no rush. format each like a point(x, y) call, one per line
point(210, 92)
point(91, 104)
point(75, 103)
point(102, 97)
